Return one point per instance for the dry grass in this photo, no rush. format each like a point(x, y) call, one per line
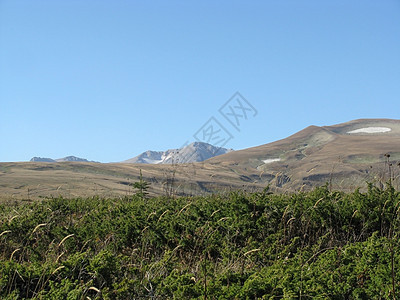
point(64, 239)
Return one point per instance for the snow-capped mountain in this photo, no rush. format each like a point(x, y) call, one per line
point(194, 152)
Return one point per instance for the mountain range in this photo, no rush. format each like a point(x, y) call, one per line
point(64, 159)
point(345, 156)
point(194, 152)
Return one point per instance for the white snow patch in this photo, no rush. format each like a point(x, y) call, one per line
point(271, 160)
point(152, 161)
point(371, 130)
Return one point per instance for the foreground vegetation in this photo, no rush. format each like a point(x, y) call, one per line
point(319, 244)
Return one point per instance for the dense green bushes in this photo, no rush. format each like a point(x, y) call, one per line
point(241, 246)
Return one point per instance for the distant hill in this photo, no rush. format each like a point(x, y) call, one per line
point(67, 158)
point(42, 159)
point(194, 152)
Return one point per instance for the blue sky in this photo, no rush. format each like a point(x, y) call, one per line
point(107, 80)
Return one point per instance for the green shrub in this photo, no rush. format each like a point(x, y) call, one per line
point(319, 244)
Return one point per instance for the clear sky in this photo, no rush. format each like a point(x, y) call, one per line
point(107, 80)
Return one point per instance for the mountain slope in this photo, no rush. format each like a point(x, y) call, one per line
point(349, 153)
